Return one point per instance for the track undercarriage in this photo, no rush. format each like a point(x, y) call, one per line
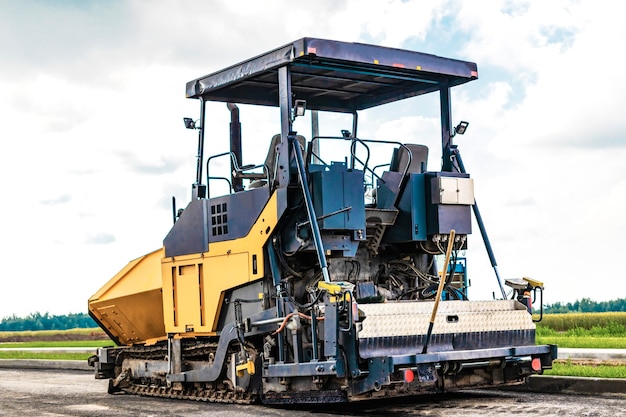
point(137, 374)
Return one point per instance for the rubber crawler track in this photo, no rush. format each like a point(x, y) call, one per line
point(208, 392)
point(214, 396)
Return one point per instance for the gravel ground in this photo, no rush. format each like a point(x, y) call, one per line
point(74, 393)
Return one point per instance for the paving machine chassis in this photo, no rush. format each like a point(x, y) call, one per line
point(317, 277)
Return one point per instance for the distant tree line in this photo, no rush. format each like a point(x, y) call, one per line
point(38, 321)
point(586, 305)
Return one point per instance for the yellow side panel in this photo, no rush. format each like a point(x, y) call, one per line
point(194, 297)
point(130, 306)
point(226, 271)
point(187, 285)
point(193, 305)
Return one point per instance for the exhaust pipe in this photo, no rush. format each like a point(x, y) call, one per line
point(235, 145)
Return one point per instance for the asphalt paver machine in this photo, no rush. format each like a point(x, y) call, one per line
point(321, 275)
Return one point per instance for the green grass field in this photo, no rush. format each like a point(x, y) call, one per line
point(591, 342)
point(601, 370)
point(14, 354)
point(41, 334)
point(599, 324)
point(57, 344)
point(80, 338)
point(583, 330)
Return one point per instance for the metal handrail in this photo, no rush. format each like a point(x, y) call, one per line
point(237, 171)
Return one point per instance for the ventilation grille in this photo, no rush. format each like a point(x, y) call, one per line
point(219, 219)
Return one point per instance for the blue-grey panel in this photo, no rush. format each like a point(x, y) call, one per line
point(189, 234)
point(222, 218)
point(447, 217)
point(412, 345)
point(410, 224)
point(335, 190)
point(387, 190)
point(354, 197)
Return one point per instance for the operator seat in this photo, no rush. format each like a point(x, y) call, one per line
point(418, 160)
point(270, 159)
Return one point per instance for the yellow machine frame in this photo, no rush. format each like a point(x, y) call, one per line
point(154, 296)
point(194, 285)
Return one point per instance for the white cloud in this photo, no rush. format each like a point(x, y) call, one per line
point(521, 34)
point(92, 97)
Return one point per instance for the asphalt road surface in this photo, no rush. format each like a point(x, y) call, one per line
point(73, 393)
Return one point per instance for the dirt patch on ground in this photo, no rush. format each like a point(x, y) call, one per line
point(588, 362)
point(54, 337)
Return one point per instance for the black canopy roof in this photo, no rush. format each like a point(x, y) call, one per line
point(334, 76)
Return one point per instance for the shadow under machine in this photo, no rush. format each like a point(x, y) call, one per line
point(318, 276)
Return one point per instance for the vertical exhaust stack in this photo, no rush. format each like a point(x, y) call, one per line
point(198, 190)
point(235, 145)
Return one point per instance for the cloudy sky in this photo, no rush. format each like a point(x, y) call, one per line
point(92, 100)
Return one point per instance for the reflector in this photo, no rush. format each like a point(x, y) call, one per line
point(536, 364)
point(409, 376)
